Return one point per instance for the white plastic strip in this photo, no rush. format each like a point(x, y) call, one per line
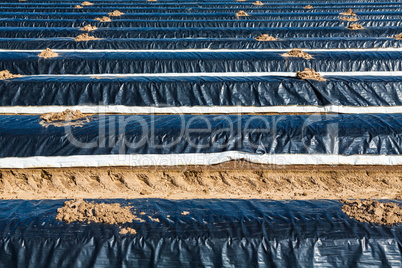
point(285, 3)
point(206, 50)
point(195, 159)
point(120, 109)
point(225, 74)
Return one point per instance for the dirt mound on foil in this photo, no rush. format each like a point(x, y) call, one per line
point(240, 0)
point(128, 230)
point(116, 13)
point(297, 53)
point(88, 28)
point(355, 26)
point(151, 0)
point(81, 211)
point(241, 13)
point(7, 75)
point(265, 37)
point(349, 18)
point(398, 36)
point(78, 6)
point(86, 3)
point(308, 7)
point(103, 19)
point(349, 12)
point(85, 37)
point(373, 211)
point(309, 74)
point(258, 3)
point(67, 117)
point(47, 53)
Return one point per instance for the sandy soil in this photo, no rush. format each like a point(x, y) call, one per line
point(236, 179)
point(297, 53)
point(310, 74)
point(85, 37)
point(88, 28)
point(103, 19)
point(7, 75)
point(81, 211)
point(349, 12)
point(265, 37)
point(398, 36)
point(241, 13)
point(48, 54)
point(115, 13)
point(86, 3)
point(258, 3)
point(349, 18)
point(373, 211)
point(67, 117)
point(127, 230)
point(308, 7)
point(355, 26)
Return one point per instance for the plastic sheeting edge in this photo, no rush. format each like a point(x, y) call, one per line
point(121, 109)
point(195, 159)
point(224, 74)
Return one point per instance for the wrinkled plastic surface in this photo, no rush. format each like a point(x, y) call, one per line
point(133, 23)
point(260, 15)
point(189, 62)
point(192, 43)
point(377, 134)
point(224, 233)
point(200, 91)
point(274, 2)
point(204, 32)
point(202, 24)
point(193, 7)
point(219, 233)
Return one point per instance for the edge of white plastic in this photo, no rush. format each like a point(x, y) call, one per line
point(207, 50)
point(120, 109)
point(195, 159)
